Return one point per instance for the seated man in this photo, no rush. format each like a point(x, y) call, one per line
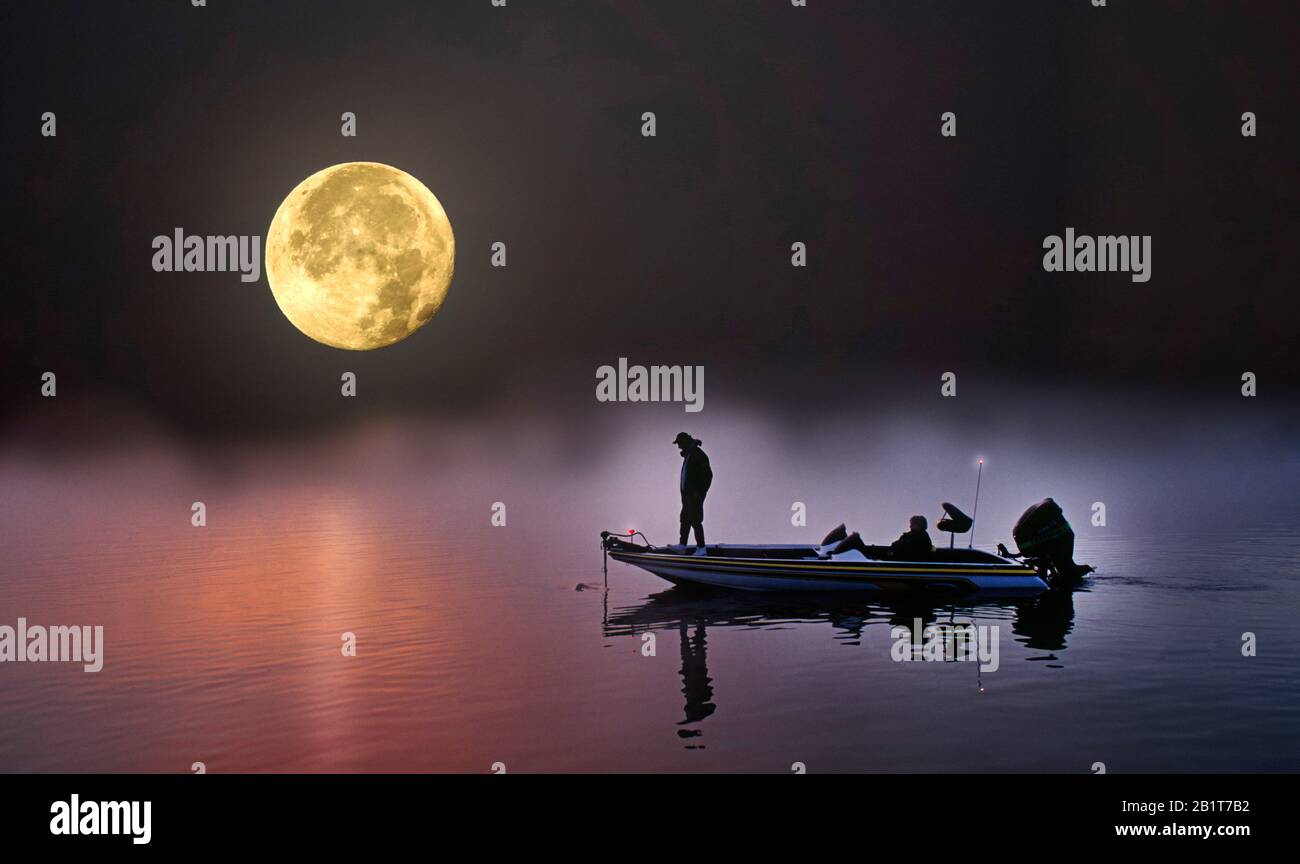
point(915, 545)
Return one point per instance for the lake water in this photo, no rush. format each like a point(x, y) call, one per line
point(479, 644)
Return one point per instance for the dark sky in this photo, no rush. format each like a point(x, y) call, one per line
point(775, 125)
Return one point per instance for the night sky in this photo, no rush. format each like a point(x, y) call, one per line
point(775, 125)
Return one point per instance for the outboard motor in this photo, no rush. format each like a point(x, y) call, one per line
point(1043, 534)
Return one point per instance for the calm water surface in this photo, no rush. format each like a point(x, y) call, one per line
point(479, 644)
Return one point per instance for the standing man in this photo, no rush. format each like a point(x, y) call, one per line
point(697, 476)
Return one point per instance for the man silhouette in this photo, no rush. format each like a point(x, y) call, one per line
point(696, 478)
point(915, 545)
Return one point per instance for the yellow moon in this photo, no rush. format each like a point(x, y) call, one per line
point(359, 255)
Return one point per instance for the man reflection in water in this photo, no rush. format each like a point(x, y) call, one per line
point(697, 686)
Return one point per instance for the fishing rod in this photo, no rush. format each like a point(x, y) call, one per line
point(976, 511)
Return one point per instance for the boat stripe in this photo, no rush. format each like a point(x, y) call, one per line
point(849, 569)
point(864, 578)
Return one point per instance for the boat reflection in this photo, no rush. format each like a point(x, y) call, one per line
point(1040, 624)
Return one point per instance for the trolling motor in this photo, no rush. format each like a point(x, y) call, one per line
point(610, 540)
point(1046, 541)
point(614, 540)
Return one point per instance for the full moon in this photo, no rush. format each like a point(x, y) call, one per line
point(359, 255)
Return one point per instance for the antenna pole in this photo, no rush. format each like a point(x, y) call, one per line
point(976, 511)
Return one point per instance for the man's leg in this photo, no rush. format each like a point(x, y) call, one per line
point(685, 523)
point(699, 533)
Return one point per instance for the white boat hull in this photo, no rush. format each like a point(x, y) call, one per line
point(849, 572)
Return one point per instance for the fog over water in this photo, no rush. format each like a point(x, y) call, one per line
point(474, 646)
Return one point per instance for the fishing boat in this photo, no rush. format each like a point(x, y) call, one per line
point(822, 568)
point(842, 562)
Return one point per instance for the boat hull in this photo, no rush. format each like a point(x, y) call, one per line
point(1001, 578)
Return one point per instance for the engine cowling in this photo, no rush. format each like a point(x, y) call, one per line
point(1043, 533)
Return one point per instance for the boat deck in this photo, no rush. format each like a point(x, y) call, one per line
point(814, 568)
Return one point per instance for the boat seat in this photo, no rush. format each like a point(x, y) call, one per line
point(954, 521)
point(838, 533)
point(853, 541)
